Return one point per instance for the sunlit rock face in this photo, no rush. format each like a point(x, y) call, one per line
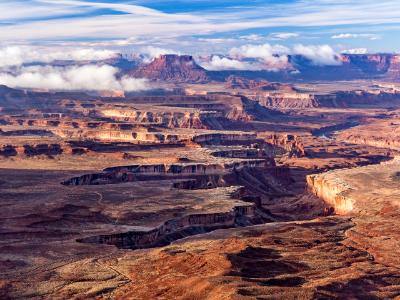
point(173, 68)
point(332, 190)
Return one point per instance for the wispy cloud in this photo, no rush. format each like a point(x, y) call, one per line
point(283, 35)
point(355, 51)
point(251, 37)
point(51, 20)
point(370, 36)
point(18, 55)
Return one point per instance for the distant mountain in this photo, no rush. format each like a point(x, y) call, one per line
point(385, 65)
point(353, 66)
point(172, 68)
point(184, 69)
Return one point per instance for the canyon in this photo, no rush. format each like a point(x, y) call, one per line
point(214, 185)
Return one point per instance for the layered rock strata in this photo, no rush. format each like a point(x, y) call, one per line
point(162, 171)
point(332, 190)
point(370, 195)
point(173, 68)
point(178, 228)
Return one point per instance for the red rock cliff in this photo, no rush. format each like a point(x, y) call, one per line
point(173, 68)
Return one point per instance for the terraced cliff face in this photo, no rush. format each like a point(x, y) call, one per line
point(171, 230)
point(282, 99)
point(118, 135)
point(235, 82)
point(224, 138)
point(164, 172)
point(284, 144)
point(167, 119)
point(297, 100)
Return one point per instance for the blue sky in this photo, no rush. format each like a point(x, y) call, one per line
point(202, 26)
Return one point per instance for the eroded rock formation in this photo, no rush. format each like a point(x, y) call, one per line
point(178, 228)
point(167, 119)
point(173, 68)
point(332, 190)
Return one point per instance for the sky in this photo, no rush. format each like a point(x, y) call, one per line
point(202, 26)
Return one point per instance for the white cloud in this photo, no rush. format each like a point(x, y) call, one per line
point(264, 51)
point(369, 36)
point(276, 56)
point(251, 37)
point(319, 55)
point(129, 84)
point(355, 51)
point(216, 40)
point(88, 77)
point(273, 56)
point(18, 55)
point(151, 52)
point(283, 35)
point(218, 63)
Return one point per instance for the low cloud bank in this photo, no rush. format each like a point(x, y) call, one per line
point(219, 63)
point(271, 57)
point(17, 69)
point(150, 52)
point(320, 55)
point(19, 55)
point(88, 77)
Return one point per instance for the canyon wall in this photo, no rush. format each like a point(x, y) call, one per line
point(224, 138)
point(283, 100)
point(31, 150)
point(370, 132)
point(175, 229)
point(332, 190)
point(118, 135)
point(166, 118)
point(373, 140)
point(162, 172)
point(296, 100)
point(287, 144)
